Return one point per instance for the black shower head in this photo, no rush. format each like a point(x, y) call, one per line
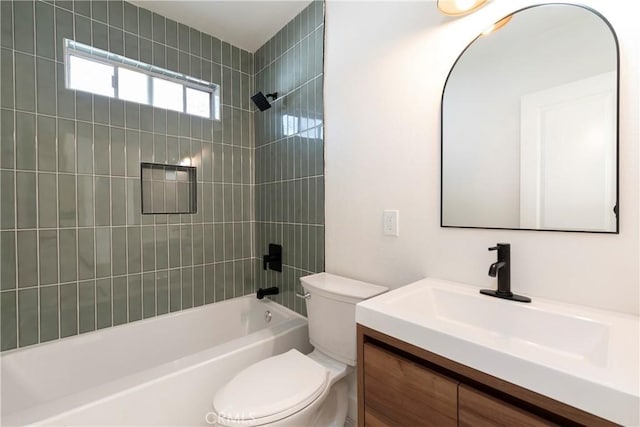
point(261, 100)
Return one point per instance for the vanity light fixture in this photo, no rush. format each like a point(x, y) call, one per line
point(495, 27)
point(459, 7)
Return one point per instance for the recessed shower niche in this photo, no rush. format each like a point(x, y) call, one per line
point(168, 189)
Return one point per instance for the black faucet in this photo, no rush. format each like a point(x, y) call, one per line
point(263, 292)
point(502, 269)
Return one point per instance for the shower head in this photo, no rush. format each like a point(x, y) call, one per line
point(261, 100)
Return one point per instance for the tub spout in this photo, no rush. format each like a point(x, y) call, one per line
point(262, 292)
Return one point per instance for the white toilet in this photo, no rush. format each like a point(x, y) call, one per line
point(293, 389)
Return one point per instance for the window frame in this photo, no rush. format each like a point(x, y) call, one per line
point(73, 48)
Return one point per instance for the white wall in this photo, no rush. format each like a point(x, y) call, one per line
point(386, 63)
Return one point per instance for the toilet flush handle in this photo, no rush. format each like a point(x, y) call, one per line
point(306, 295)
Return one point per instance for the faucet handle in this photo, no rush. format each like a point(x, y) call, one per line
point(494, 248)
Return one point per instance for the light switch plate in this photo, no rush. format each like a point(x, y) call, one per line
point(391, 222)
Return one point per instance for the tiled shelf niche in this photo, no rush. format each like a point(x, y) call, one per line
point(168, 189)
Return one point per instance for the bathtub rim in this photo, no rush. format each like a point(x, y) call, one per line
point(183, 312)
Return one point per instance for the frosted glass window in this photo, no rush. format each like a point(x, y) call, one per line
point(90, 76)
point(133, 86)
point(198, 103)
point(168, 95)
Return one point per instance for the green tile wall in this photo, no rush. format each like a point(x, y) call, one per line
point(76, 254)
point(289, 170)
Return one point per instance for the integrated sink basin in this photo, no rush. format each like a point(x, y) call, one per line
point(581, 356)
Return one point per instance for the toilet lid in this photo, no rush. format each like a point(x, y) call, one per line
point(279, 385)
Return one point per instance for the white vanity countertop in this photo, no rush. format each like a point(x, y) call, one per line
point(584, 357)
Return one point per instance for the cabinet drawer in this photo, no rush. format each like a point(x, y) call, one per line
point(403, 393)
point(477, 409)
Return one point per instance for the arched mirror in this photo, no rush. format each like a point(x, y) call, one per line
point(530, 125)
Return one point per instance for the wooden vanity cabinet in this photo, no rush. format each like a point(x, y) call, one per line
point(403, 385)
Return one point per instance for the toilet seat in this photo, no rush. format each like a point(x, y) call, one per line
point(270, 390)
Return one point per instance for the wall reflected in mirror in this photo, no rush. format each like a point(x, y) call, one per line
point(529, 125)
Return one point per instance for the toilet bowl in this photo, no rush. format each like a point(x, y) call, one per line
point(294, 389)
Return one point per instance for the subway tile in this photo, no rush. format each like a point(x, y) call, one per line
point(119, 250)
point(219, 282)
point(187, 287)
point(25, 141)
point(186, 244)
point(64, 30)
point(101, 109)
point(175, 290)
point(118, 202)
point(69, 262)
point(116, 113)
point(116, 13)
point(84, 148)
point(84, 106)
point(82, 7)
point(46, 143)
point(120, 301)
point(68, 309)
point(83, 29)
point(48, 256)
point(85, 191)
point(132, 153)
point(209, 284)
point(99, 10)
point(7, 260)
point(134, 283)
point(148, 249)
point(229, 289)
point(216, 50)
point(133, 202)
point(7, 158)
point(23, 15)
point(174, 246)
point(6, 25)
point(130, 18)
point(27, 317)
point(7, 195)
point(158, 27)
point(66, 4)
point(159, 55)
point(102, 200)
point(183, 38)
point(162, 292)
point(46, 86)
point(145, 23)
point(100, 35)
point(133, 250)
point(116, 41)
point(8, 321)
point(103, 251)
point(26, 199)
point(131, 45)
point(103, 303)
point(49, 313)
point(145, 49)
point(87, 306)
point(148, 295)
point(45, 21)
point(66, 200)
point(86, 254)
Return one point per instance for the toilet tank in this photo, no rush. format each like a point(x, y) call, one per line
point(331, 309)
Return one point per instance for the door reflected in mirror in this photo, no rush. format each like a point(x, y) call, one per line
point(530, 125)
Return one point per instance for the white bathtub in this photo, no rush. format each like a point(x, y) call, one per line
point(160, 371)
